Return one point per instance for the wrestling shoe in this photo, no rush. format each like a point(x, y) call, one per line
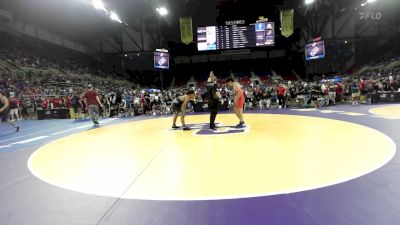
point(241, 124)
point(186, 128)
point(175, 127)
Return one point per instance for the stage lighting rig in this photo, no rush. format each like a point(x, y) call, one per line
point(98, 4)
point(115, 17)
point(309, 2)
point(162, 11)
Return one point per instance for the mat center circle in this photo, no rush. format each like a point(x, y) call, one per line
point(275, 154)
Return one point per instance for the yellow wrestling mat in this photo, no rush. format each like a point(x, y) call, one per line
point(390, 112)
point(275, 154)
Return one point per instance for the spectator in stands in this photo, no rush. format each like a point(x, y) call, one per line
point(362, 89)
point(355, 93)
point(393, 85)
point(339, 92)
point(45, 103)
point(106, 103)
point(292, 92)
point(331, 92)
point(281, 92)
point(30, 108)
point(76, 105)
point(263, 103)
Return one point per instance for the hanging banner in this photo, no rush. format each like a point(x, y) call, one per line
point(287, 22)
point(186, 30)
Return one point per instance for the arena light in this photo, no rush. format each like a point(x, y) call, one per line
point(371, 1)
point(309, 2)
point(98, 4)
point(115, 17)
point(162, 11)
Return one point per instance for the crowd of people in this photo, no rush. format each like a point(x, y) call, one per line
point(28, 92)
point(29, 52)
point(128, 101)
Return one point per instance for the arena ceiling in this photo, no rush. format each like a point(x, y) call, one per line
point(78, 20)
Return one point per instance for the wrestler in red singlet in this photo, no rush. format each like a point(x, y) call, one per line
point(239, 100)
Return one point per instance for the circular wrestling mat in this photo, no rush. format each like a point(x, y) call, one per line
point(390, 112)
point(274, 154)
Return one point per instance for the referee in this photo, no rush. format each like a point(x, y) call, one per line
point(214, 97)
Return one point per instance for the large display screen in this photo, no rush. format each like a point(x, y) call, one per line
point(236, 36)
point(315, 50)
point(161, 60)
